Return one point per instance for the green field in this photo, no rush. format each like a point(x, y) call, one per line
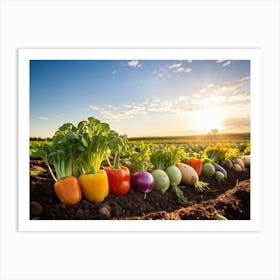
point(230, 137)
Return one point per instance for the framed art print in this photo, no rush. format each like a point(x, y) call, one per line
point(139, 139)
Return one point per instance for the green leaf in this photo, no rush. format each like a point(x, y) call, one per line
point(179, 193)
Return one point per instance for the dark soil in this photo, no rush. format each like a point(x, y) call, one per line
point(231, 199)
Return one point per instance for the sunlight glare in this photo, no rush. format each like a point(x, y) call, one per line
point(207, 119)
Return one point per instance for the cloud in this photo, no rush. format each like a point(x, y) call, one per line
point(116, 114)
point(134, 63)
point(175, 65)
point(219, 61)
point(157, 75)
point(206, 88)
point(230, 97)
point(180, 69)
point(42, 118)
point(239, 81)
point(114, 72)
point(94, 108)
point(242, 98)
point(203, 90)
point(233, 87)
point(128, 112)
point(227, 63)
point(59, 116)
point(237, 122)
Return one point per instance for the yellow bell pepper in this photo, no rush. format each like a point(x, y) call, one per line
point(95, 187)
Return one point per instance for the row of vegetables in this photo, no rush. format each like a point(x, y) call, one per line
point(91, 160)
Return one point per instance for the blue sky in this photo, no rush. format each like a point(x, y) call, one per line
point(141, 97)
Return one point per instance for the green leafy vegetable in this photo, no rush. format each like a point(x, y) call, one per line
point(139, 156)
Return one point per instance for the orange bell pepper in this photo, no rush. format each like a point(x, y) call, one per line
point(68, 190)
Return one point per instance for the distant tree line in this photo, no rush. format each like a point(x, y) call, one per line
point(40, 139)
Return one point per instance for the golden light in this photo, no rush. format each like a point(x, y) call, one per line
point(205, 120)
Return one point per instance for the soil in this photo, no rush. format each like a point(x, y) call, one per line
point(229, 199)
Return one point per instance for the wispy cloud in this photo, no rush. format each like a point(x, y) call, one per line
point(158, 74)
point(234, 86)
point(230, 96)
point(41, 118)
point(59, 116)
point(94, 108)
point(114, 72)
point(243, 122)
point(174, 66)
point(180, 69)
point(227, 63)
point(134, 63)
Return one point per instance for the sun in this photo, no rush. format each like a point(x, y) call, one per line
point(205, 120)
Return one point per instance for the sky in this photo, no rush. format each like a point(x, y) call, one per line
point(141, 97)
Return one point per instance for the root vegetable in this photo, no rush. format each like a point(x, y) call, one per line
point(220, 169)
point(228, 163)
point(240, 162)
point(174, 175)
point(208, 169)
point(219, 176)
point(143, 181)
point(162, 180)
point(246, 160)
point(190, 177)
point(237, 167)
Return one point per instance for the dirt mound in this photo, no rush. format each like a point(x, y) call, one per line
point(233, 204)
point(230, 199)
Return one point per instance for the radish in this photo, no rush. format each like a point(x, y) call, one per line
point(190, 177)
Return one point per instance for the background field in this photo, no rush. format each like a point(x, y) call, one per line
point(231, 137)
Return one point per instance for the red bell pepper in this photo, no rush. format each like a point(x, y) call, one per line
point(119, 180)
point(196, 164)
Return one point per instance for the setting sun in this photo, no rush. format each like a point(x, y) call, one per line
point(207, 119)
